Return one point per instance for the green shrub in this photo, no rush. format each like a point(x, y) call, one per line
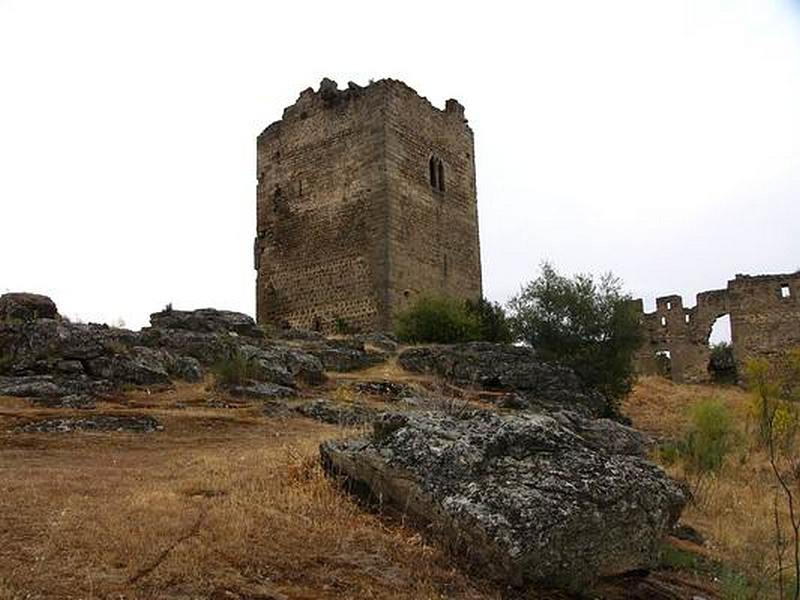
point(590, 326)
point(721, 364)
point(493, 324)
point(711, 437)
point(437, 319)
point(234, 370)
point(343, 326)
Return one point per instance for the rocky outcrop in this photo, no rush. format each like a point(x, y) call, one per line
point(529, 498)
point(344, 354)
point(26, 307)
point(66, 363)
point(505, 367)
point(206, 320)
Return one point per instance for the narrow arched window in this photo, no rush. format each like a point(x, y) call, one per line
point(434, 172)
point(441, 176)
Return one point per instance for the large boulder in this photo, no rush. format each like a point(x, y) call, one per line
point(506, 367)
point(26, 307)
point(206, 320)
point(526, 498)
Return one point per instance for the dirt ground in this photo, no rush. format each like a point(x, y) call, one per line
point(222, 503)
point(227, 501)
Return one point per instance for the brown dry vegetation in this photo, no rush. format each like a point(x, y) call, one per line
point(231, 503)
point(735, 509)
point(224, 503)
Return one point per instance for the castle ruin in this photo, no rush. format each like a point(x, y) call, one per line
point(765, 322)
point(366, 198)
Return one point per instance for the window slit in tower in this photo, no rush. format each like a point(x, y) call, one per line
point(441, 176)
point(433, 171)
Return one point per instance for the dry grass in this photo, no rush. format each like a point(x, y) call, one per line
point(734, 510)
point(230, 503)
point(221, 504)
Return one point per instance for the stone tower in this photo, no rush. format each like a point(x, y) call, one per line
point(366, 199)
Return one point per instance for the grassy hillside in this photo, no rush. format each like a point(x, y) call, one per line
point(734, 509)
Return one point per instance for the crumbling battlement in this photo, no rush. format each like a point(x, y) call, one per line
point(765, 321)
point(366, 197)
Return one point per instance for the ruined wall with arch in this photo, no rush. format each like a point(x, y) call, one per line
point(765, 322)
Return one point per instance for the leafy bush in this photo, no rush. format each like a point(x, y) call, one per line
point(711, 437)
point(774, 407)
point(590, 326)
point(437, 319)
point(234, 370)
point(492, 320)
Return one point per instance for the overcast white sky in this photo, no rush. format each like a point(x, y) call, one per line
point(659, 140)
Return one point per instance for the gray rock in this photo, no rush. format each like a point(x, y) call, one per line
point(524, 498)
point(82, 401)
point(186, 368)
point(138, 365)
point(207, 320)
point(51, 386)
point(506, 367)
point(387, 390)
point(128, 423)
point(266, 365)
point(207, 348)
point(344, 355)
point(336, 413)
point(260, 391)
point(301, 335)
point(26, 307)
point(301, 364)
point(381, 341)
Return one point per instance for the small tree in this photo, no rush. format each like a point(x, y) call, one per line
point(721, 363)
point(492, 320)
point(775, 389)
point(588, 325)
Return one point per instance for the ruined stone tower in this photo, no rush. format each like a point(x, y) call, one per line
point(366, 199)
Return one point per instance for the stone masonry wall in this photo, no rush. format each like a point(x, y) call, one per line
point(433, 235)
point(765, 321)
point(348, 224)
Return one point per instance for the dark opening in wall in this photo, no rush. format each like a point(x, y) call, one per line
point(785, 291)
point(436, 173)
point(663, 360)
